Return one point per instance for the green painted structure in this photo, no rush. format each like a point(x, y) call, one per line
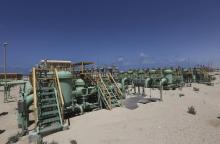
point(78, 97)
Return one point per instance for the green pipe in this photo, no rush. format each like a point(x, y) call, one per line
point(23, 114)
point(162, 82)
point(29, 100)
point(123, 84)
point(147, 82)
point(27, 88)
point(16, 82)
point(80, 91)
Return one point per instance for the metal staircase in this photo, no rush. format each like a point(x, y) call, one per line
point(117, 90)
point(48, 101)
point(107, 95)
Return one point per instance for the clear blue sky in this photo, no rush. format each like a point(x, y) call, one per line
point(126, 32)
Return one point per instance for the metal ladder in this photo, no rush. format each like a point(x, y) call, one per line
point(117, 90)
point(108, 97)
point(47, 101)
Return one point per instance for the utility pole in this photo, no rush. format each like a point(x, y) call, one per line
point(5, 70)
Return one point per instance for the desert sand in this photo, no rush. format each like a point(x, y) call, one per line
point(8, 119)
point(165, 122)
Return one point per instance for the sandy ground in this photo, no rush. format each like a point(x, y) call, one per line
point(165, 122)
point(8, 118)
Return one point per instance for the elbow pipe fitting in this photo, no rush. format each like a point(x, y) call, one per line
point(163, 81)
point(123, 83)
point(78, 109)
point(147, 82)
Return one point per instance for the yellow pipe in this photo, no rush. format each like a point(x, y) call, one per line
point(35, 95)
point(59, 87)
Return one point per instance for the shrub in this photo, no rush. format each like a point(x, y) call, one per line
point(181, 95)
point(191, 110)
point(73, 142)
point(195, 89)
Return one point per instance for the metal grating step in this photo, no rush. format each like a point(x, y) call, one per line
point(48, 100)
point(47, 88)
point(48, 106)
point(47, 93)
point(49, 113)
point(50, 120)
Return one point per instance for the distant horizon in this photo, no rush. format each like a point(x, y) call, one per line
point(27, 70)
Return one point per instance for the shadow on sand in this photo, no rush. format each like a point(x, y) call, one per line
point(3, 113)
point(2, 131)
point(132, 103)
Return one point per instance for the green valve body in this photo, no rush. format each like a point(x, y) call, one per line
point(168, 73)
point(80, 88)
